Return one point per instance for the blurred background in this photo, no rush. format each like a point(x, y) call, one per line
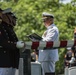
point(29, 20)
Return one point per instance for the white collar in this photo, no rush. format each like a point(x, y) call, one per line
point(50, 26)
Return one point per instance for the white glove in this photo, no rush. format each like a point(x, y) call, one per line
point(37, 61)
point(72, 60)
point(20, 44)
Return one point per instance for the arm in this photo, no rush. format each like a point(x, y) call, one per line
point(52, 35)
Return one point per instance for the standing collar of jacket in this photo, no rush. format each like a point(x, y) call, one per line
point(50, 26)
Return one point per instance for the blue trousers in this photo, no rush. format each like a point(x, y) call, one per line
point(7, 71)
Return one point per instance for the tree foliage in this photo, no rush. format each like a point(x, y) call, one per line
point(29, 19)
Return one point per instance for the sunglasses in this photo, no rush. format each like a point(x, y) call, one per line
point(44, 20)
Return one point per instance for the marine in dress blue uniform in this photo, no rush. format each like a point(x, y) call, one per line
point(48, 57)
point(9, 53)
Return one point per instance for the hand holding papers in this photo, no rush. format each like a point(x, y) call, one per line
point(34, 37)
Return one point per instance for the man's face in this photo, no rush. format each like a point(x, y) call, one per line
point(48, 21)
